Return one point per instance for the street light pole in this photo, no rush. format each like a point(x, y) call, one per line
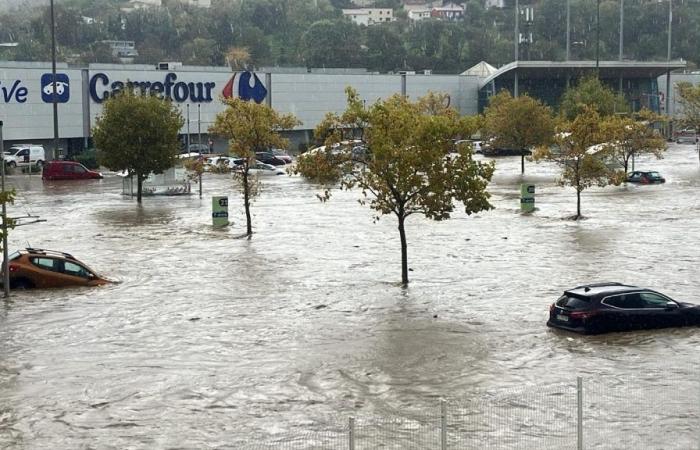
point(668, 72)
point(597, 40)
point(5, 263)
point(54, 98)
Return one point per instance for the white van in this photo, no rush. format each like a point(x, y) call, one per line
point(23, 155)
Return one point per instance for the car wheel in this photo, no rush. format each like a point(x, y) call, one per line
point(11, 164)
point(40, 164)
point(22, 284)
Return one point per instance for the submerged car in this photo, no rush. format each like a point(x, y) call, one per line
point(261, 169)
point(68, 170)
point(39, 268)
point(605, 307)
point(645, 177)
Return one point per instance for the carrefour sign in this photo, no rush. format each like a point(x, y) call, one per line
point(102, 87)
point(245, 85)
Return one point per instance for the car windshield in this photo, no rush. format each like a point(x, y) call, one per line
point(654, 175)
point(574, 303)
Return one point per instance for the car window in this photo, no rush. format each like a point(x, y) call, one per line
point(75, 270)
point(79, 169)
point(652, 300)
point(46, 263)
point(574, 303)
point(625, 301)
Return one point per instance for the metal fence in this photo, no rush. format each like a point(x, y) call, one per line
point(596, 414)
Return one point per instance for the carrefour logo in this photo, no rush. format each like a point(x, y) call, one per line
point(62, 88)
point(241, 83)
point(102, 87)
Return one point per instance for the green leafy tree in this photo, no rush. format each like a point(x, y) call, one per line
point(332, 43)
point(590, 92)
point(628, 137)
point(404, 169)
point(517, 123)
point(138, 134)
point(573, 150)
point(250, 128)
point(689, 100)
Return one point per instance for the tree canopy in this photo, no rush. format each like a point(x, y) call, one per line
point(250, 127)
point(590, 92)
point(138, 134)
point(517, 123)
point(689, 100)
point(405, 166)
point(628, 137)
point(575, 151)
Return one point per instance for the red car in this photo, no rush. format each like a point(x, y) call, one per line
point(68, 170)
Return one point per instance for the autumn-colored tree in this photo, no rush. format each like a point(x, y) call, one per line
point(138, 134)
point(689, 100)
point(590, 92)
point(627, 137)
point(250, 127)
point(404, 169)
point(517, 123)
point(238, 58)
point(574, 150)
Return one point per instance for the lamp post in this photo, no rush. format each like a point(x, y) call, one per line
point(597, 39)
point(5, 262)
point(668, 73)
point(54, 98)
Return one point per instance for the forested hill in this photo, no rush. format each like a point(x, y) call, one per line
point(313, 33)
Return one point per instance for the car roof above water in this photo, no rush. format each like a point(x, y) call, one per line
point(597, 289)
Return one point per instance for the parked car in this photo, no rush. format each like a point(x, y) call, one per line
point(605, 307)
point(685, 136)
point(281, 154)
point(228, 162)
point(262, 169)
point(269, 158)
point(68, 170)
point(39, 268)
point(645, 177)
point(202, 149)
point(24, 155)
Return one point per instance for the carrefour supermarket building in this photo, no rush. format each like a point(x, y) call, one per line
point(27, 111)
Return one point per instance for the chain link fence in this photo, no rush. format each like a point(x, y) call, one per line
point(605, 414)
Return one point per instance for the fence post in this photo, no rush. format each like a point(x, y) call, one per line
point(443, 424)
point(579, 418)
point(351, 433)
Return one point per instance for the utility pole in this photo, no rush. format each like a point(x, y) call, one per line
point(54, 98)
point(668, 72)
point(597, 40)
point(188, 128)
point(199, 124)
point(517, 44)
point(5, 268)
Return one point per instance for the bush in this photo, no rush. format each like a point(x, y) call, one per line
point(88, 158)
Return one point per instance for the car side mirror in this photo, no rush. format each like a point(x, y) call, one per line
point(671, 306)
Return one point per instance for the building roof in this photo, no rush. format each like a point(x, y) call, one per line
point(561, 69)
point(482, 69)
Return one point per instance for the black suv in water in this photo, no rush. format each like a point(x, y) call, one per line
point(604, 307)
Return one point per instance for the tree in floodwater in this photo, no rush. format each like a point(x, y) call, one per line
point(405, 167)
point(689, 99)
point(590, 92)
point(627, 137)
point(575, 149)
point(138, 134)
point(250, 127)
point(517, 123)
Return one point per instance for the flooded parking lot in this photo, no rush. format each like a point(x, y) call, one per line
point(211, 340)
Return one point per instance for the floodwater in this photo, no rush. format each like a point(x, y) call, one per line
point(210, 340)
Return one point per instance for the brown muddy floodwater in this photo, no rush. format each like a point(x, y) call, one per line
point(214, 341)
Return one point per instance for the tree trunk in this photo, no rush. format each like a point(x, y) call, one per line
point(139, 185)
point(246, 201)
point(626, 164)
point(522, 160)
point(404, 252)
point(578, 203)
